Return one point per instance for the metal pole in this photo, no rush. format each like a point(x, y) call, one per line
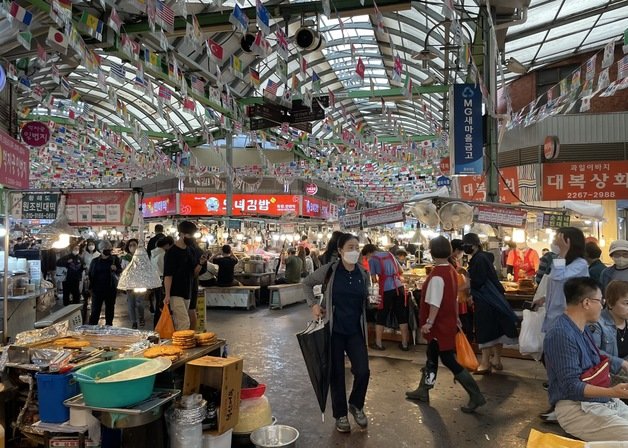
point(6, 196)
point(490, 80)
point(229, 161)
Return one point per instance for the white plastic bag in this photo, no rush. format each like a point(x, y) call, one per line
point(531, 337)
point(541, 290)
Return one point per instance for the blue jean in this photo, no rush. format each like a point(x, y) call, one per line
point(135, 304)
point(355, 347)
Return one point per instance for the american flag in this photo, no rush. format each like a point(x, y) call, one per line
point(165, 93)
point(622, 67)
point(271, 87)
point(198, 84)
point(165, 16)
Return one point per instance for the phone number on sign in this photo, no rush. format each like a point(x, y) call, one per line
point(591, 195)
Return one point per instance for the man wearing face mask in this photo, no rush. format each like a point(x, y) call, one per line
point(180, 268)
point(75, 266)
point(104, 273)
point(619, 270)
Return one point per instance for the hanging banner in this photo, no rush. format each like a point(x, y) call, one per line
point(468, 139)
point(585, 180)
point(384, 215)
point(509, 184)
point(350, 220)
point(215, 204)
point(156, 206)
point(501, 216)
point(98, 208)
point(35, 133)
point(14, 163)
point(39, 205)
point(316, 208)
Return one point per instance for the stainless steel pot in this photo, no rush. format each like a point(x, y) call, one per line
point(278, 436)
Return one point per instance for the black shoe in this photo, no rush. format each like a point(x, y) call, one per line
point(134, 326)
point(358, 415)
point(404, 348)
point(545, 386)
point(343, 425)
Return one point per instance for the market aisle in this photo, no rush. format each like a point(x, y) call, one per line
point(266, 340)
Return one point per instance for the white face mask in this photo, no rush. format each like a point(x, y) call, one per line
point(621, 262)
point(351, 257)
point(554, 248)
point(91, 247)
point(75, 252)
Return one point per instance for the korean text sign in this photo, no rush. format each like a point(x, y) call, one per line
point(585, 180)
point(107, 207)
point(39, 205)
point(163, 205)
point(316, 208)
point(14, 162)
point(215, 204)
point(468, 130)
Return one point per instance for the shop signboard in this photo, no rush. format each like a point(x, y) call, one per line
point(384, 215)
point(585, 180)
point(39, 205)
point(445, 166)
point(215, 204)
point(35, 133)
point(350, 220)
point(556, 220)
point(468, 130)
point(551, 147)
point(501, 216)
point(509, 183)
point(351, 204)
point(471, 188)
point(14, 163)
point(156, 206)
point(311, 189)
point(316, 208)
point(98, 208)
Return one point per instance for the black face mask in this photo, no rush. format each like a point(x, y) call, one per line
point(467, 248)
point(189, 241)
point(106, 252)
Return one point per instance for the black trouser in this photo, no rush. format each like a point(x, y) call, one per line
point(71, 287)
point(109, 299)
point(355, 347)
point(159, 304)
point(395, 301)
point(448, 357)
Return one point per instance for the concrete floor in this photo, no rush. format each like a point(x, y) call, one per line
point(266, 340)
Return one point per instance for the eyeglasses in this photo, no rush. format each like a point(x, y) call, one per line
point(602, 301)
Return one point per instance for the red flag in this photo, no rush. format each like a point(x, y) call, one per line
point(303, 65)
point(359, 69)
point(215, 49)
point(332, 99)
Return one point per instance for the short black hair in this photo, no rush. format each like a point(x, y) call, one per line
point(159, 228)
point(369, 249)
point(579, 288)
point(307, 251)
point(292, 250)
point(226, 249)
point(345, 238)
point(187, 227)
point(165, 241)
point(440, 247)
point(401, 253)
point(472, 238)
point(456, 244)
point(592, 250)
point(303, 237)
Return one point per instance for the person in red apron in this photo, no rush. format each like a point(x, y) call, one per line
point(523, 263)
point(438, 319)
point(385, 270)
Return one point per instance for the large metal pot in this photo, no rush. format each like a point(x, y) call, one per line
point(278, 436)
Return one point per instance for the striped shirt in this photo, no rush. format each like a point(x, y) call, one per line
point(545, 266)
point(568, 353)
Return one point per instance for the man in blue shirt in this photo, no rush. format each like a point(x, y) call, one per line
point(589, 412)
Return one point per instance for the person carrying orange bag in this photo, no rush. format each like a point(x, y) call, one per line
point(165, 326)
point(439, 323)
point(464, 352)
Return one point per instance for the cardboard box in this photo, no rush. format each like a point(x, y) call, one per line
point(224, 374)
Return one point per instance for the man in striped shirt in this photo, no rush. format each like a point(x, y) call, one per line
point(589, 412)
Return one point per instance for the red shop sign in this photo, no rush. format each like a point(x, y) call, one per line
point(215, 204)
point(351, 204)
point(473, 188)
point(585, 180)
point(35, 133)
point(445, 166)
point(311, 189)
point(14, 162)
point(316, 208)
point(163, 205)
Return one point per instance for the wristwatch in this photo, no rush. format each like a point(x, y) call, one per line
point(429, 322)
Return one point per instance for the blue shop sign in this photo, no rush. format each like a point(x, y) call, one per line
point(443, 181)
point(468, 130)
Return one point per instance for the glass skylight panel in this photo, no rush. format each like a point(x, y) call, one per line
point(561, 46)
point(572, 7)
point(571, 28)
point(539, 15)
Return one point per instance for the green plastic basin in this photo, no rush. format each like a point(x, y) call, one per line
point(115, 394)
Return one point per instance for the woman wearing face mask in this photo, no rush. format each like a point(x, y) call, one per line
point(134, 300)
point(610, 332)
point(619, 270)
point(495, 322)
point(345, 289)
point(75, 267)
point(103, 280)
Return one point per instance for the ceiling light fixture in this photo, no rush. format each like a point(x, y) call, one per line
point(515, 66)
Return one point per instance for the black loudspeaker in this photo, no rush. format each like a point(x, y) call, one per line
point(308, 39)
point(246, 42)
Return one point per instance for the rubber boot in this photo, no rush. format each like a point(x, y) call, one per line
point(476, 399)
point(428, 379)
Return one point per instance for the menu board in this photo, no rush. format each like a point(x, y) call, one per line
point(384, 215)
point(556, 220)
point(109, 207)
point(502, 216)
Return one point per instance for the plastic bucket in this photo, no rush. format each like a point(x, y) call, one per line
point(52, 391)
point(115, 394)
point(275, 436)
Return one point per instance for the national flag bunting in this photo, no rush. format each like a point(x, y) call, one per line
point(165, 16)
point(271, 88)
point(255, 79)
point(214, 50)
point(165, 93)
point(57, 40)
point(114, 22)
point(360, 69)
point(92, 25)
point(25, 38)
point(197, 84)
point(20, 14)
point(316, 81)
point(302, 66)
point(118, 72)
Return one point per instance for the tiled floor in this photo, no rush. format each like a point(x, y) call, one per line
point(266, 340)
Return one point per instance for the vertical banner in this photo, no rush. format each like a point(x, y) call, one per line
point(468, 130)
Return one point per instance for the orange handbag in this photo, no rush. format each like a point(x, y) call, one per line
point(464, 353)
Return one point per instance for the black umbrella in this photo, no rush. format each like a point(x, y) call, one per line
point(314, 343)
